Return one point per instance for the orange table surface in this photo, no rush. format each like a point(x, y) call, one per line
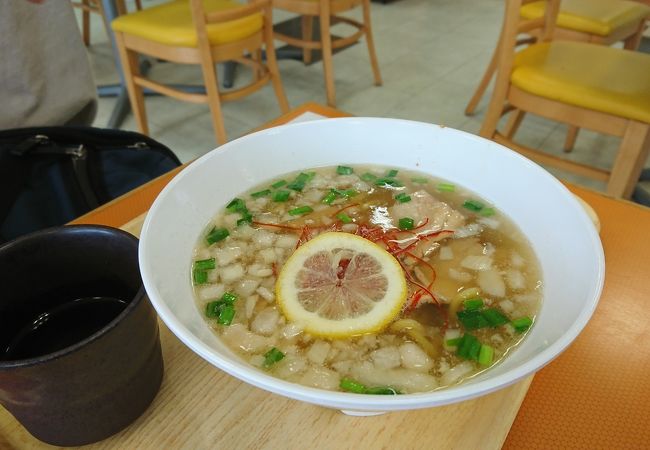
point(597, 393)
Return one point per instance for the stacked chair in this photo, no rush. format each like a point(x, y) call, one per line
point(328, 12)
point(604, 22)
point(582, 84)
point(202, 32)
point(94, 6)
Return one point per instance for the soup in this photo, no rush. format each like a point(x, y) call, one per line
point(366, 279)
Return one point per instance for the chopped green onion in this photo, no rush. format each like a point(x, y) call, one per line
point(199, 276)
point(296, 185)
point(352, 386)
point(486, 355)
point(299, 183)
point(406, 223)
point(473, 205)
point(495, 317)
point(246, 217)
point(205, 264)
point(221, 309)
point(281, 195)
point(347, 193)
point(469, 347)
point(388, 181)
point(474, 350)
point(344, 218)
point(212, 309)
point(382, 390)
point(349, 385)
point(402, 197)
point(522, 324)
point(446, 187)
point(369, 177)
point(217, 234)
point(487, 212)
point(392, 173)
point(272, 356)
point(453, 342)
point(300, 210)
point(228, 297)
point(200, 270)
point(278, 184)
point(226, 314)
point(474, 303)
point(259, 194)
point(236, 205)
point(330, 197)
point(344, 170)
point(472, 319)
point(419, 180)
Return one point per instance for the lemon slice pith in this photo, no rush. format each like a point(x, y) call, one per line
point(340, 285)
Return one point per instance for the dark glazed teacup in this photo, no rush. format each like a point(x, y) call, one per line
point(97, 384)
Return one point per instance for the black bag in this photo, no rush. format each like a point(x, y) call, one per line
point(52, 175)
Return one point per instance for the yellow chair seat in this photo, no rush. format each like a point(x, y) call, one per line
point(599, 17)
point(171, 24)
point(604, 79)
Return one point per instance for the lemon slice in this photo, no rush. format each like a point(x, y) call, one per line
point(339, 285)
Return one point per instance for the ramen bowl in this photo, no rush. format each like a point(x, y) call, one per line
point(563, 237)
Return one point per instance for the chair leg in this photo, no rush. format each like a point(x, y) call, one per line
point(131, 68)
point(632, 155)
point(307, 24)
point(371, 43)
point(272, 62)
point(571, 136)
point(326, 43)
point(138, 5)
point(514, 121)
point(214, 100)
point(258, 72)
point(85, 22)
point(482, 86)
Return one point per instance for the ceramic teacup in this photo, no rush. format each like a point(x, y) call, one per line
point(80, 355)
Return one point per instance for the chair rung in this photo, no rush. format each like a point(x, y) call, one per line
point(317, 45)
point(171, 92)
point(246, 90)
point(354, 23)
point(342, 42)
point(311, 45)
point(553, 161)
point(235, 13)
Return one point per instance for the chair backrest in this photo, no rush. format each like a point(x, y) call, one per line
point(513, 26)
point(202, 19)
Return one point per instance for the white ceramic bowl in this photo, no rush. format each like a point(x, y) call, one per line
point(562, 235)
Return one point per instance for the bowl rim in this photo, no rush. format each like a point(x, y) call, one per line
point(351, 401)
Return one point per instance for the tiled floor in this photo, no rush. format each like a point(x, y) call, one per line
point(431, 54)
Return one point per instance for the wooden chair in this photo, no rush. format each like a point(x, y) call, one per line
point(584, 85)
point(598, 21)
point(327, 12)
point(95, 6)
point(203, 32)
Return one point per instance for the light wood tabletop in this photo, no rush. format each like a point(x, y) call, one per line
point(593, 396)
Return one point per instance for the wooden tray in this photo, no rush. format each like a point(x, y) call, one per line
point(200, 406)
